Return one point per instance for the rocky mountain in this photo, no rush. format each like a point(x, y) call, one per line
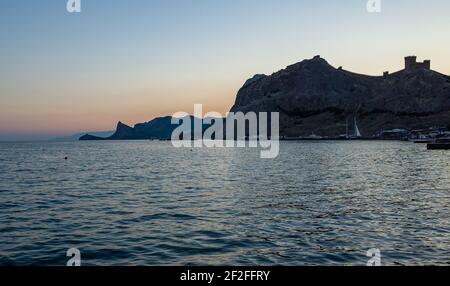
point(314, 97)
point(158, 128)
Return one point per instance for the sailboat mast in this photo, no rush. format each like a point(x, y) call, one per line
point(346, 128)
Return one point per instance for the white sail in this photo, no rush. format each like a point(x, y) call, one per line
point(357, 132)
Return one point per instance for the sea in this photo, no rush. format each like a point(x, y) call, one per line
point(147, 203)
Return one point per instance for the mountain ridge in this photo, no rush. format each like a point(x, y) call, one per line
point(313, 97)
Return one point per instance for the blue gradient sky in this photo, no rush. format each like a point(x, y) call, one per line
point(132, 60)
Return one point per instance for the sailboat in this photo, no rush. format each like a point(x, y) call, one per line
point(356, 132)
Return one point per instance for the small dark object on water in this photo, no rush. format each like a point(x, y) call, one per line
point(65, 158)
point(438, 146)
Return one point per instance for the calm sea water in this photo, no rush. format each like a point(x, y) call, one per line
point(146, 203)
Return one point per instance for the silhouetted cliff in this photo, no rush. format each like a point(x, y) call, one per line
point(158, 128)
point(314, 97)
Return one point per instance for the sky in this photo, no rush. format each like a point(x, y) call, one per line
point(134, 60)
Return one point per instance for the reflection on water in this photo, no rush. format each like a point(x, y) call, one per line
point(146, 203)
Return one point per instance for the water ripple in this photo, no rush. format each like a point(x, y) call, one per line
point(146, 203)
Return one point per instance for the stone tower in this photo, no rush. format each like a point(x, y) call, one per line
point(412, 64)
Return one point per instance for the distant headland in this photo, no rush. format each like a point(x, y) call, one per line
point(317, 99)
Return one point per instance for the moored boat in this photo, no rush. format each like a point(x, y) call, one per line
point(440, 144)
point(422, 139)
